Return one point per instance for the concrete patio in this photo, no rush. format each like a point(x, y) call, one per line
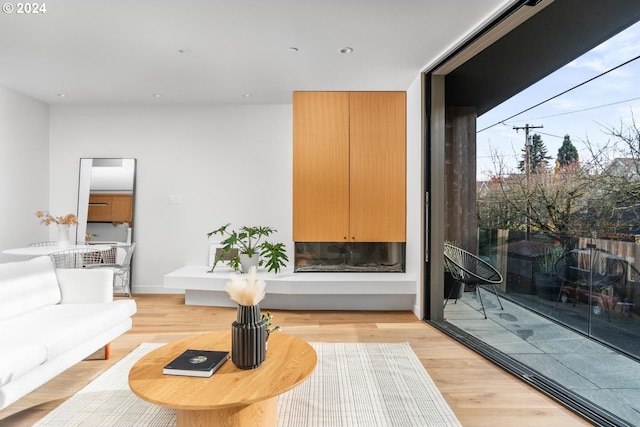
point(593, 371)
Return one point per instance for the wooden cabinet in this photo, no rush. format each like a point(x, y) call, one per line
point(110, 208)
point(320, 166)
point(377, 154)
point(99, 208)
point(121, 208)
point(349, 166)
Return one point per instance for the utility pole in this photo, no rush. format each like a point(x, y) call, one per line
point(527, 171)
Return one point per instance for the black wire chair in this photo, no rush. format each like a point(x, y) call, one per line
point(468, 269)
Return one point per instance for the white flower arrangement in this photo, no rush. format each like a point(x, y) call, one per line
point(247, 292)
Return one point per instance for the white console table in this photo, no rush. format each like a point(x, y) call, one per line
point(302, 291)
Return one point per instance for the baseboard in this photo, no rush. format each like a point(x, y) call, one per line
point(155, 290)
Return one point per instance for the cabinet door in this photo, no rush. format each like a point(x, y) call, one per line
point(320, 166)
point(121, 208)
point(378, 166)
point(99, 208)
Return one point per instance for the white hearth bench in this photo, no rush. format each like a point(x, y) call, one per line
point(51, 319)
point(301, 291)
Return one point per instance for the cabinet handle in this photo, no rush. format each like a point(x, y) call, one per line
point(98, 204)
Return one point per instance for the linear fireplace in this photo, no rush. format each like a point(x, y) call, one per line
point(344, 257)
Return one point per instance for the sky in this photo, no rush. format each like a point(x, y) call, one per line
point(583, 113)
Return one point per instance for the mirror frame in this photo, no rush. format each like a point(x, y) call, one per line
point(84, 190)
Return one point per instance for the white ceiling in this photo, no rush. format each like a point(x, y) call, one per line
point(124, 51)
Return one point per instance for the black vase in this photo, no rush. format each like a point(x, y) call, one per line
point(248, 338)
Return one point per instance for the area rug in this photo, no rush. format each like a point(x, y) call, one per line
point(354, 384)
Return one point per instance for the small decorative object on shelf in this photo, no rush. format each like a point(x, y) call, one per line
point(248, 331)
point(63, 223)
point(248, 244)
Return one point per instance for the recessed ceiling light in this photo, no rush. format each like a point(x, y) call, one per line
point(157, 95)
point(346, 50)
point(184, 50)
point(247, 95)
point(62, 95)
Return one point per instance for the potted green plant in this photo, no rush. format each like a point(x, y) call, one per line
point(246, 246)
point(547, 283)
point(267, 319)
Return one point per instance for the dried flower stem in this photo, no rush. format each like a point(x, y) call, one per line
point(249, 291)
point(46, 218)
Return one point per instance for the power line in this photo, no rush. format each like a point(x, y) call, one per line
point(545, 133)
point(549, 134)
point(515, 156)
point(562, 93)
point(587, 109)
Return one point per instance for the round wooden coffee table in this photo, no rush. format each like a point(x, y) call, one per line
point(231, 396)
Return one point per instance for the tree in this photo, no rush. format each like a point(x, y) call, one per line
point(616, 162)
point(596, 197)
point(539, 160)
point(494, 207)
point(550, 200)
point(567, 153)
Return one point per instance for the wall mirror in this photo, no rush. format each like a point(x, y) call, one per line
point(106, 196)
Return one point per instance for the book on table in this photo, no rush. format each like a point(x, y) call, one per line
point(196, 363)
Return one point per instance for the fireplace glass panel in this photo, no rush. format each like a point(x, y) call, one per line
point(358, 257)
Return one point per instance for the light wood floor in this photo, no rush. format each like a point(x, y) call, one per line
point(479, 393)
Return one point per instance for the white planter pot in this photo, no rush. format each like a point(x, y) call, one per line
point(246, 262)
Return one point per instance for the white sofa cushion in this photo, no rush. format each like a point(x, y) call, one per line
point(27, 285)
point(64, 326)
point(19, 358)
point(82, 285)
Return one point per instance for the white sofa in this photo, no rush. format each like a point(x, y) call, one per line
point(51, 319)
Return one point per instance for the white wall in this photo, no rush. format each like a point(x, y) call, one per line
point(229, 164)
point(415, 188)
point(24, 170)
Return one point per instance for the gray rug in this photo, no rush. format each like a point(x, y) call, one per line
point(381, 384)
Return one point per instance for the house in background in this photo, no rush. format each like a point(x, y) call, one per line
point(623, 167)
